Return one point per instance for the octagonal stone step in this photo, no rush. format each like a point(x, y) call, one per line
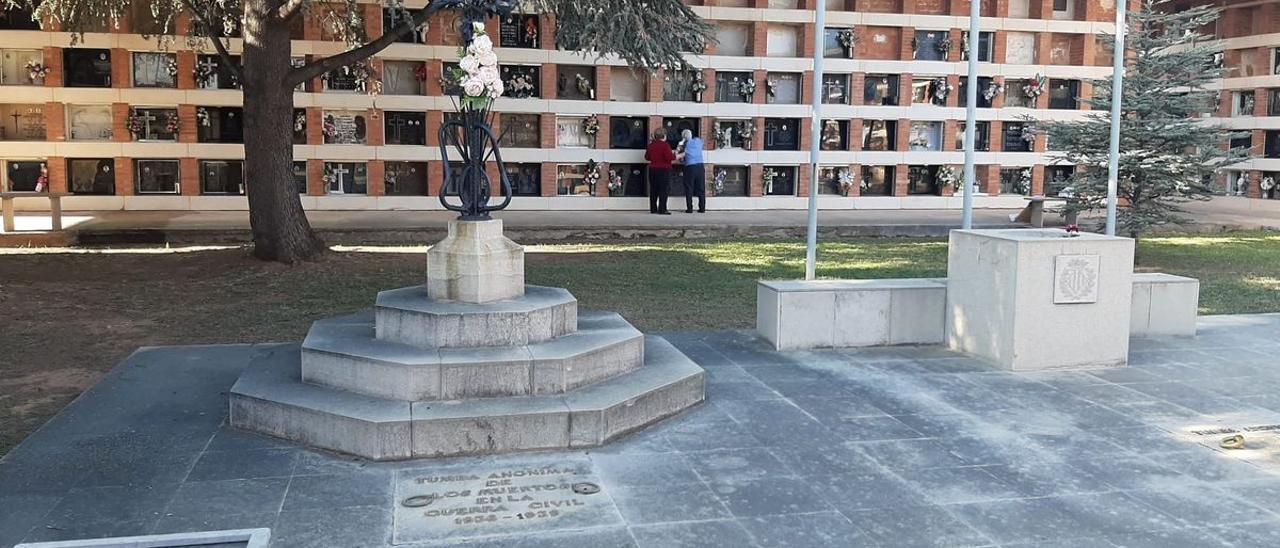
point(409, 316)
point(270, 398)
point(343, 353)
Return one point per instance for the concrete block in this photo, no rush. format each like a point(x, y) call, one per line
point(917, 314)
point(348, 357)
point(1168, 303)
point(1036, 299)
point(409, 316)
point(270, 398)
point(605, 346)
point(482, 427)
point(475, 263)
point(794, 314)
point(484, 372)
point(861, 318)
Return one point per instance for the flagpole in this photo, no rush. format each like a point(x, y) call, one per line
point(815, 137)
point(971, 115)
point(1117, 93)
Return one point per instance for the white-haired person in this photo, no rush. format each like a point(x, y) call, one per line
point(695, 178)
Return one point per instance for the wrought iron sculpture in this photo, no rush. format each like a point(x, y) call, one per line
point(471, 135)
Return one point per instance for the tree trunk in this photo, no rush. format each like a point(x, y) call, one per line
point(279, 224)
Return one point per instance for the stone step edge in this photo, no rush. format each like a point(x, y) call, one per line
point(605, 346)
point(381, 429)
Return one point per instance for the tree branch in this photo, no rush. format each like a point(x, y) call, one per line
point(289, 8)
point(203, 19)
point(326, 64)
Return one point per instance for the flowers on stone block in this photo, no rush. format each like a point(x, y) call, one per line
point(477, 72)
point(1035, 87)
point(591, 176)
point(591, 125)
point(36, 70)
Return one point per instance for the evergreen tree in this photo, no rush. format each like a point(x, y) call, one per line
point(1168, 153)
point(644, 34)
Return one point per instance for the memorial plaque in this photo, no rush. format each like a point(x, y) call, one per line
point(628, 132)
point(518, 30)
point(86, 68)
point(1075, 279)
point(89, 122)
point(344, 128)
point(439, 504)
point(22, 122)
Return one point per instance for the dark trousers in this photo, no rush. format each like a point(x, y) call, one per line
point(659, 188)
point(695, 184)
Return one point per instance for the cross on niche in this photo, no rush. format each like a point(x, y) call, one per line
point(147, 117)
point(396, 123)
point(340, 177)
point(16, 116)
point(211, 68)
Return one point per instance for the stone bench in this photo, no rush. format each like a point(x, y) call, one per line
point(1164, 304)
point(839, 313)
point(1033, 213)
point(55, 207)
point(797, 314)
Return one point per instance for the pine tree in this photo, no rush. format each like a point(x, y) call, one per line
point(1168, 153)
point(644, 34)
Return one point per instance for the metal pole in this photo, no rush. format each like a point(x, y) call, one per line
point(1117, 93)
point(815, 137)
point(971, 115)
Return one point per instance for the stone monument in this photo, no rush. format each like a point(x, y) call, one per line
point(474, 362)
point(1029, 299)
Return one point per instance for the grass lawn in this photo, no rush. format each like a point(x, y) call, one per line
point(71, 316)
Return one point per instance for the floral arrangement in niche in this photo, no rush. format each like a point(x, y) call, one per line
point(592, 176)
point(943, 46)
point(770, 88)
point(591, 125)
point(747, 89)
point(329, 177)
point(767, 177)
point(520, 85)
point(615, 182)
point(1267, 184)
point(846, 180)
point(1073, 230)
point(940, 89)
point(1246, 104)
point(171, 66)
point(36, 70)
point(584, 86)
point(993, 89)
point(202, 116)
point(300, 121)
point(947, 178)
point(329, 129)
point(361, 72)
point(864, 184)
point(847, 39)
point(747, 130)
point(1023, 184)
point(717, 182)
point(171, 124)
point(420, 72)
point(723, 133)
point(477, 71)
point(698, 86)
point(1029, 132)
point(1035, 87)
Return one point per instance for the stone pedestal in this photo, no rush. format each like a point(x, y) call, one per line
point(1036, 299)
point(475, 264)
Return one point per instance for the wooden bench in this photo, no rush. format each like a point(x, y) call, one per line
point(55, 207)
point(1033, 213)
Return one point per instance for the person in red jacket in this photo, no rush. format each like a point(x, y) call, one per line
point(660, 156)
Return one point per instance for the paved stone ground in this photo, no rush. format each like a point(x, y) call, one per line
point(900, 446)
